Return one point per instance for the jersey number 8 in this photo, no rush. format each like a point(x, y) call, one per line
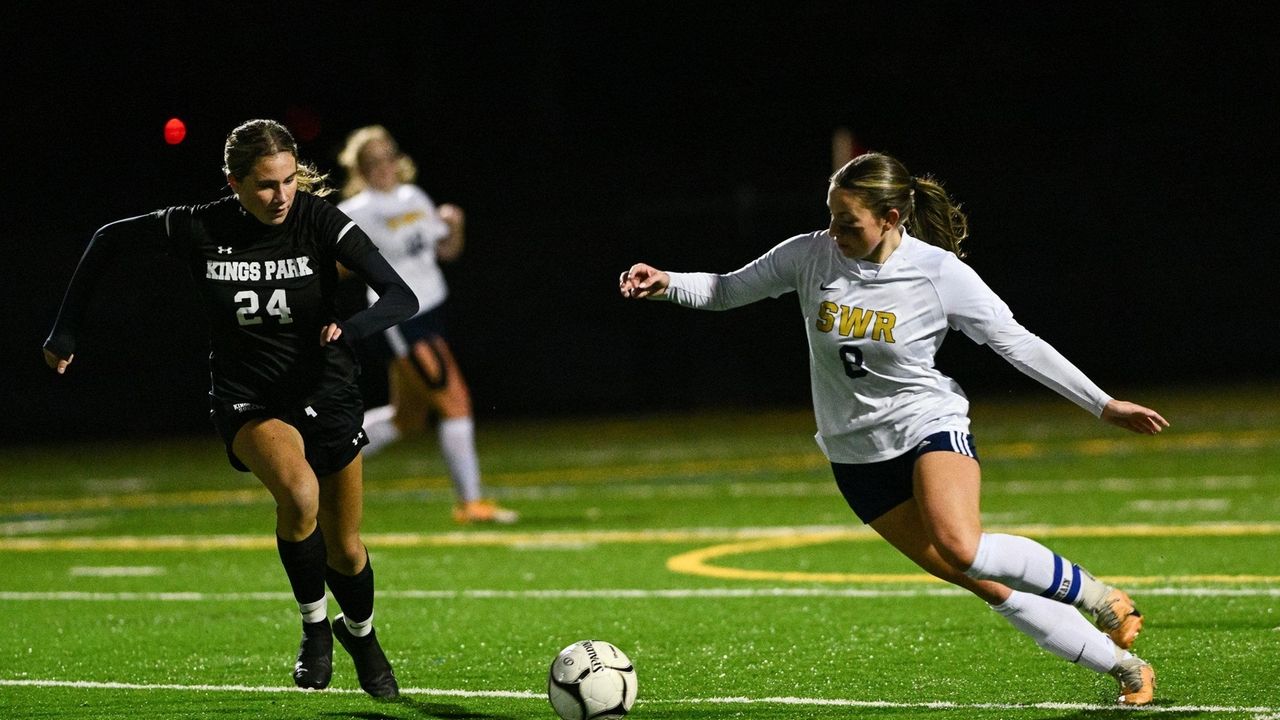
point(851, 358)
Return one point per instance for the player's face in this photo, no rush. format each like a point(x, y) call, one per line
point(267, 192)
point(857, 231)
point(379, 161)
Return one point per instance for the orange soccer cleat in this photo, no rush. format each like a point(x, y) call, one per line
point(1137, 681)
point(1119, 618)
point(483, 511)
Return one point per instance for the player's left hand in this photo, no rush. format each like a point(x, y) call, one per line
point(1134, 417)
point(329, 333)
point(58, 364)
point(452, 216)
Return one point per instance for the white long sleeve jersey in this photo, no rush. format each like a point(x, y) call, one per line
point(405, 226)
point(874, 331)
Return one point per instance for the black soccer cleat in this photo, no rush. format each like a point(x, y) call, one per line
point(314, 667)
point(372, 666)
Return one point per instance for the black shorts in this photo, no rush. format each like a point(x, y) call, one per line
point(873, 489)
point(331, 429)
point(427, 325)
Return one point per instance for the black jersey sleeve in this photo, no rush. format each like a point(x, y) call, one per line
point(141, 235)
point(396, 301)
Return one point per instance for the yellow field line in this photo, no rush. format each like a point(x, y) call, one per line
point(697, 562)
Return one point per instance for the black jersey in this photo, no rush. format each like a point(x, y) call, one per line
point(267, 291)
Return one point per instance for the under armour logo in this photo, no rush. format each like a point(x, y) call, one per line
point(310, 411)
point(224, 250)
point(356, 440)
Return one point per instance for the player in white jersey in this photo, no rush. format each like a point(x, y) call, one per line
point(877, 302)
point(414, 234)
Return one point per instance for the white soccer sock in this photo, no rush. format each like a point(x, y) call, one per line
point(359, 629)
point(458, 445)
point(314, 612)
point(1024, 564)
point(380, 428)
point(1061, 630)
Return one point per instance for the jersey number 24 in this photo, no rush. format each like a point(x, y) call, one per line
point(277, 305)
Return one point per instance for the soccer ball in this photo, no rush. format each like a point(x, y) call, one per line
point(591, 680)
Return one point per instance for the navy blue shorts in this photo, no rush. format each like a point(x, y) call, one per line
point(331, 428)
point(873, 489)
point(420, 327)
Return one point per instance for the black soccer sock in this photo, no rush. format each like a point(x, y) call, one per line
point(304, 563)
point(354, 594)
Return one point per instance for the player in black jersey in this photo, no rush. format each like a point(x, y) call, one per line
point(283, 368)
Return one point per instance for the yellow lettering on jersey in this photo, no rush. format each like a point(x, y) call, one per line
point(884, 326)
point(827, 315)
point(408, 218)
point(854, 321)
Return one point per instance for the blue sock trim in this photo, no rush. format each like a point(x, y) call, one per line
point(1052, 592)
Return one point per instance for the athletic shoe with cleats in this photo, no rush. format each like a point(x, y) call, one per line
point(483, 511)
point(372, 666)
point(1118, 618)
point(1137, 681)
point(314, 667)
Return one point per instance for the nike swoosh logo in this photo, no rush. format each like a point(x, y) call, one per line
point(824, 288)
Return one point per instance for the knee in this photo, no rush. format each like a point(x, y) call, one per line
point(298, 497)
point(346, 555)
point(959, 549)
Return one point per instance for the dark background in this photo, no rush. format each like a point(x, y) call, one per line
point(1117, 161)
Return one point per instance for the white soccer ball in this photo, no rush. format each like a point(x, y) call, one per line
point(591, 680)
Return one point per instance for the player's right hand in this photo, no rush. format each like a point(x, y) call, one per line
point(57, 363)
point(643, 281)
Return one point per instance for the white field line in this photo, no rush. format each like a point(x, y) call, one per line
point(47, 525)
point(116, 571)
point(531, 695)
point(589, 594)
point(948, 705)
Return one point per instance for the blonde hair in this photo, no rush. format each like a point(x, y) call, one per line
point(349, 158)
point(882, 183)
point(263, 138)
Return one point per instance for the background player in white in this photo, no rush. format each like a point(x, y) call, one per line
point(879, 290)
point(413, 234)
point(283, 393)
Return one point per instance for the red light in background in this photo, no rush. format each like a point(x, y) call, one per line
point(174, 131)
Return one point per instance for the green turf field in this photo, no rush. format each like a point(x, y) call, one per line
point(141, 581)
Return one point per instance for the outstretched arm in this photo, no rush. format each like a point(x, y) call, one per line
point(140, 234)
point(980, 314)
